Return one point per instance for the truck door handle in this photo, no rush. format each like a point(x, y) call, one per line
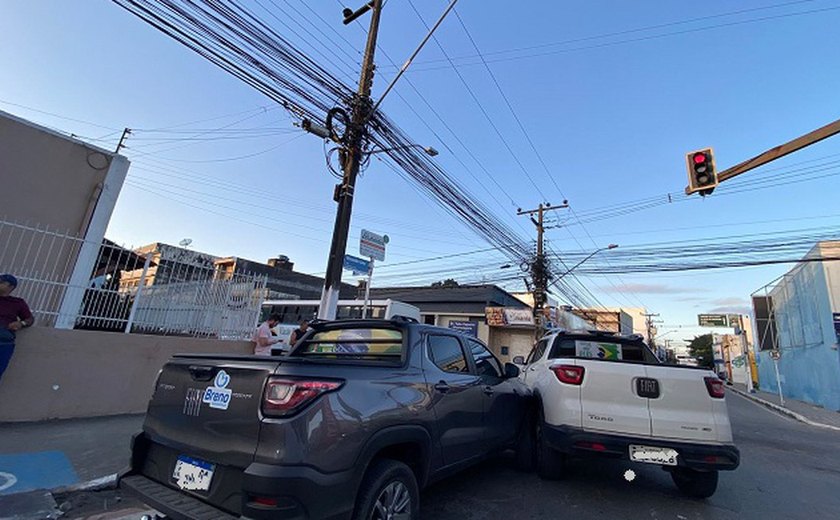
point(442, 387)
point(488, 390)
point(532, 369)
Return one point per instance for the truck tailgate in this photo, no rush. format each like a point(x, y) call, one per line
point(684, 409)
point(211, 406)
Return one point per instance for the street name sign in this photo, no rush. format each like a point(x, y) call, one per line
point(373, 245)
point(356, 264)
point(712, 320)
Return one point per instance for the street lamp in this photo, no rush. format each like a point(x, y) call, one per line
point(431, 152)
point(593, 253)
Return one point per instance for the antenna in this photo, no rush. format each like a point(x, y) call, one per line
point(185, 242)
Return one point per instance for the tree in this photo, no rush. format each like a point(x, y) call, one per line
point(449, 282)
point(700, 349)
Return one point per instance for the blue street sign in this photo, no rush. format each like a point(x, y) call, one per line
point(470, 328)
point(356, 264)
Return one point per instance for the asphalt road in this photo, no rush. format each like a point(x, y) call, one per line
point(788, 470)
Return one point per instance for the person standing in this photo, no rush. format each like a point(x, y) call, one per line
point(298, 333)
point(14, 315)
point(264, 338)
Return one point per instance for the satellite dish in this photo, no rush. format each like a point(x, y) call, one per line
point(185, 242)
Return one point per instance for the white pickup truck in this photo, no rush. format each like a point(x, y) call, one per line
point(601, 394)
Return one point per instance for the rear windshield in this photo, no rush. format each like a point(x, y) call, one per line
point(354, 343)
point(603, 349)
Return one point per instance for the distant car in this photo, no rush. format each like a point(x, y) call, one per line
point(358, 418)
point(601, 394)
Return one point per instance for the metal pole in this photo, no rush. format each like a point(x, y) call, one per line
point(413, 55)
point(779, 382)
point(367, 290)
point(140, 286)
point(123, 137)
point(352, 152)
point(747, 365)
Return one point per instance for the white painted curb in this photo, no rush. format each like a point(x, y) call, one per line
point(784, 411)
point(97, 484)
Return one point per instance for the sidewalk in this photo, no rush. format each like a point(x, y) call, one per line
point(66, 453)
point(799, 410)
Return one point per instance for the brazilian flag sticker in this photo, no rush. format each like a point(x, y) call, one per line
point(598, 350)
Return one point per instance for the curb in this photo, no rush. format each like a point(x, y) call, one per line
point(97, 484)
point(782, 410)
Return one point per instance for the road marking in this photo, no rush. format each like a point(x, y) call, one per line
point(37, 470)
point(7, 480)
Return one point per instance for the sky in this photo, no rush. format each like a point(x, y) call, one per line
point(609, 96)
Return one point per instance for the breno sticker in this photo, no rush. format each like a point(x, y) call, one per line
point(218, 395)
point(597, 350)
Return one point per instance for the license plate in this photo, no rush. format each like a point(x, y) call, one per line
point(653, 455)
point(192, 474)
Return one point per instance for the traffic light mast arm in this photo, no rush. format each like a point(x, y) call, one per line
point(780, 151)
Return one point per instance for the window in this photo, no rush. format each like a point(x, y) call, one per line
point(486, 364)
point(354, 343)
point(446, 353)
point(604, 349)
point(537, 352)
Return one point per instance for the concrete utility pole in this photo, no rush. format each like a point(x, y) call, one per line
point(539, 267)
point(649, 325)
point(352, 155)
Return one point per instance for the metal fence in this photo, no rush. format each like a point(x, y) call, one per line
point(71, 283)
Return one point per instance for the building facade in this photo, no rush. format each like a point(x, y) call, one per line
point(616, 321)
point(282, 281)
point(798, 315)
point(63, 192)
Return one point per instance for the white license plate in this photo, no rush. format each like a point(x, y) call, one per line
point(192, 474)
point(653, 455)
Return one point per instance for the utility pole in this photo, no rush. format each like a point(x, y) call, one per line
point(123, 137)
point(649, 325)
point(351, 155)
point(539, 267)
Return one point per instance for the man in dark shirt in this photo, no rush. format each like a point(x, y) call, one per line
point(14, 315)
point(298, 333)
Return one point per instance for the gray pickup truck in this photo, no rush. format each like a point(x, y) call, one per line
point(351, 424)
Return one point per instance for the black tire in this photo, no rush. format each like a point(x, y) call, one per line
point(696, 484)
point(387, 484)
point(524, 449)
point(551, 464)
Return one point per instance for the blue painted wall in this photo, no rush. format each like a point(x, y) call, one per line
point(810, 362)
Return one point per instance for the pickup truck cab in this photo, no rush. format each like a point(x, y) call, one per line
point(602, 394)
point(352, 423)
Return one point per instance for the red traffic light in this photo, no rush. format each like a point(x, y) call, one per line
point(699, 158)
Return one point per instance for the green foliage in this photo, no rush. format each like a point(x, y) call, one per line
point(449, 282)
point(700, 348)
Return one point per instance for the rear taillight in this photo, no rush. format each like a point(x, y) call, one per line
point(288, 396)
point(569, 374)
point(715, 387)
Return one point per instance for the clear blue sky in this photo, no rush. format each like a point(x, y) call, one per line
point(612, 94)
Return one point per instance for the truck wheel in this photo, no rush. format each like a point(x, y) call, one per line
point(524, 460)
point(551, 464)
point(696, 484)
point(389, 490)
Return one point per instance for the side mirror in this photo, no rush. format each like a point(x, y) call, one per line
point(511, 370)
point(519, 360)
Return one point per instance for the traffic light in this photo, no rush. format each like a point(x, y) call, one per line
point(702, 176)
